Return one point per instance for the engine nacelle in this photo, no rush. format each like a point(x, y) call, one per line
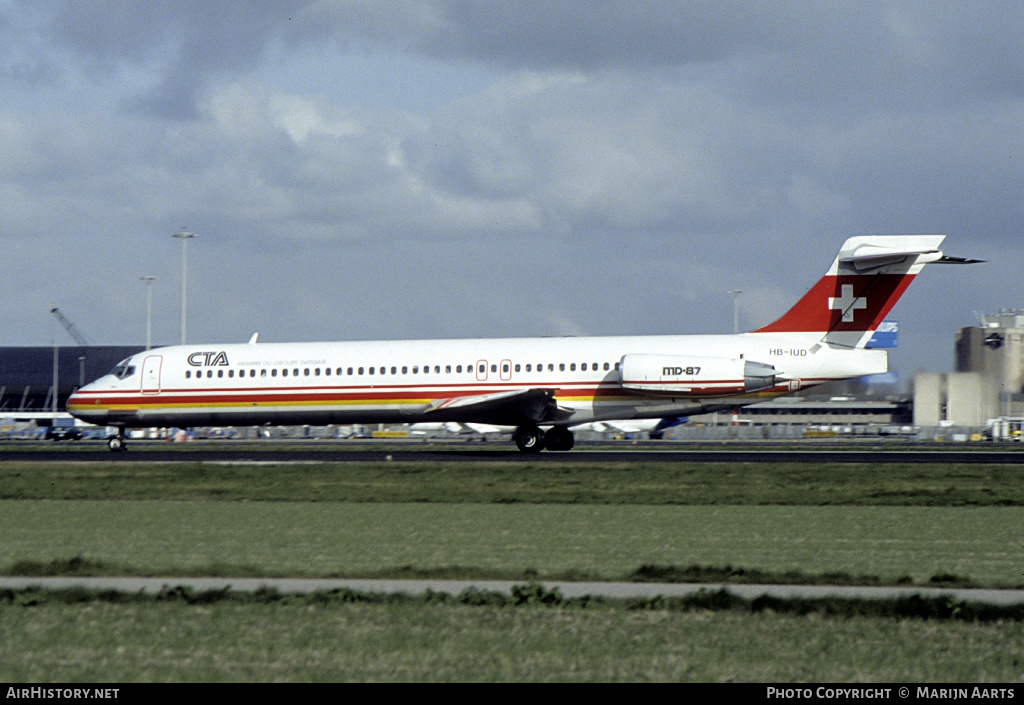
point(693, 376)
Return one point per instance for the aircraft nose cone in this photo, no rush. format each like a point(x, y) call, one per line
point(79, 406)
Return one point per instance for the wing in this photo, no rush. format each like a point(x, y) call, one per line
point(513, 408)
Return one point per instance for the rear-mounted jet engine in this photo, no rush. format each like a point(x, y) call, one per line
point(688, 376)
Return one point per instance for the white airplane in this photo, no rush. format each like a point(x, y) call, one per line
point(654, 427)
point(456, 428)
point(542, 387)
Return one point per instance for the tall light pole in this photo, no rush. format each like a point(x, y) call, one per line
point(149, 310)
point(56, 365)
point(735, 310)
point(185, 236)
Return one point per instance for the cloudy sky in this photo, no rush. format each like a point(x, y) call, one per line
point(465, 168)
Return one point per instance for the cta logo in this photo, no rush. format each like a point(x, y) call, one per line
point(208, 359)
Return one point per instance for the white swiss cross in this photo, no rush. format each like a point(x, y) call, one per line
point(847, 302)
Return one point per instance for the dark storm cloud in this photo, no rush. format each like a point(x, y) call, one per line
point(570, 166)
point(189, 41)
point(801, 55)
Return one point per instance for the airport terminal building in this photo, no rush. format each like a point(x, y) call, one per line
point(988, 380)
point(28, 375)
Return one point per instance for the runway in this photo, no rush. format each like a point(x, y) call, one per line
point(379, 451)
point(610, 590)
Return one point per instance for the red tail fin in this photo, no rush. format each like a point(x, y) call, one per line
point(865, 281)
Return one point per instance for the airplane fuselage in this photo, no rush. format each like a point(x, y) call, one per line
point(410, 381)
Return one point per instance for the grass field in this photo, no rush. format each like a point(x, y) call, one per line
point(574, 482)
point(981, 545)
point(884, 523)
point(156, 641)
point(849, 523)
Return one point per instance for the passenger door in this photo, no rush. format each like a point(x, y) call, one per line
point(151, 374)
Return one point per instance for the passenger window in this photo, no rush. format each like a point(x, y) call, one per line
point(263, 372)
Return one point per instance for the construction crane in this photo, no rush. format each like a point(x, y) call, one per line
point(69, 326)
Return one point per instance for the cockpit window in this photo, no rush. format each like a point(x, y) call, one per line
point(124, 370)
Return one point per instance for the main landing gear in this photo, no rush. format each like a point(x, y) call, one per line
point(531, 439)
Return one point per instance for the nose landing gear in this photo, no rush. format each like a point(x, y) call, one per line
point(116, 442)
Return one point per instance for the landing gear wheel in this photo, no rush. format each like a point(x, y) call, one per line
point(116, 443)
point(559, 438)
point(530, 440)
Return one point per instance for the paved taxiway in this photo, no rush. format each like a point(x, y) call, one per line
point(614, 590)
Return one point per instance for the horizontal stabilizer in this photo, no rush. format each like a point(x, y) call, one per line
point(946, 259)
